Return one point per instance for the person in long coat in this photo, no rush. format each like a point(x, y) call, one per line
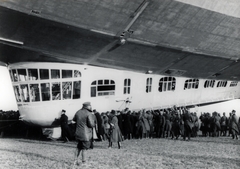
point(94, 131)
point(150, 121)
point(84, 125)
point(134, 120)
point(99, 126)
point(146, 123)
point(168, 123)
point(223, 122)
point(141, 130)
point(217, 125)
point(229, 124)
point(120, 118)
point(106, 126)
point(127, 125)
point(115, 132)
point(234, 125)
point(188, 124)
point(66, 133)
point(204, 124)
point(162, 123)
point(195, 124)
point(175, 130)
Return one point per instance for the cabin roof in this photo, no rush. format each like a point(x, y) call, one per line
point(197, 38)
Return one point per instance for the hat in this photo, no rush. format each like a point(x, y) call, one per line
point(86, 104)
point(113, 112)
point(63, 110)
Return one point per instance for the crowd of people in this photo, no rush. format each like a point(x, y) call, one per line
point(173, 123)
point(11, 126)
point(116, 126)
point(216, 125)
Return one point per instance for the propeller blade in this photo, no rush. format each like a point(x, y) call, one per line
point(120, 100)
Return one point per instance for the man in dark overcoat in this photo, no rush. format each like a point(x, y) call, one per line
point(168, 123)
point(99, 126)
point(188, 124)
point(66, 134)
point(84, 124)
point(175, 131)
point(234, 125)
point(223, 123)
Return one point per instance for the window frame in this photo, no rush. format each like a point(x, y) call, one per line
point(127, 86)
point(149, 85)
point(167, 83)
point(97, 84)
point(209, 83)
point(222, 83)
point(191, 84)
point(233, 84)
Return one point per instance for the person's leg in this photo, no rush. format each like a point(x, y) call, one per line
point(76, 155)
point(233, 134)
point(189, 135)
point(188, 132)
point(110, 144)
point(83, 156)
point(101, 137)
point(91, 143)
point(162, 135)
point(224, 131)
point(119, 145)
point(185, 133)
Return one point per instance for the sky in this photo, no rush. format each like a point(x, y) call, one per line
point(8, 102)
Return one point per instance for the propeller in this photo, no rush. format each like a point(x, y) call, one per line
point(127, 100)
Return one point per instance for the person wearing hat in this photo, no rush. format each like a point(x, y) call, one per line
point(188, 123)
point(234, 125)
point(160, 125)
point(64, 127)
point(229, 124)
point(84, 124)
point(115, 133)
point(223, 122)
point(99, 126)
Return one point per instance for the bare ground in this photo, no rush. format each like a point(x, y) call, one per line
point(200, 152)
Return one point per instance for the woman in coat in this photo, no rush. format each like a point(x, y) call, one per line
point(146, 124)
point(234, 125)
point(115, 134)
point(106, 126)
point(140, 130)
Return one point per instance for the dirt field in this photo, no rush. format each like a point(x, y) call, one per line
point(222, 152)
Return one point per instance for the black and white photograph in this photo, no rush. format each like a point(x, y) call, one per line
point(120, 84)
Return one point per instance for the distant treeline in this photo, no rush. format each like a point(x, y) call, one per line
point(11, 126)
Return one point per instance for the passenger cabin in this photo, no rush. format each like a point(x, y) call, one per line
point(45, 89)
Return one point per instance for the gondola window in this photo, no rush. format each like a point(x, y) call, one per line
point(102, 88)
point(167, 84)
